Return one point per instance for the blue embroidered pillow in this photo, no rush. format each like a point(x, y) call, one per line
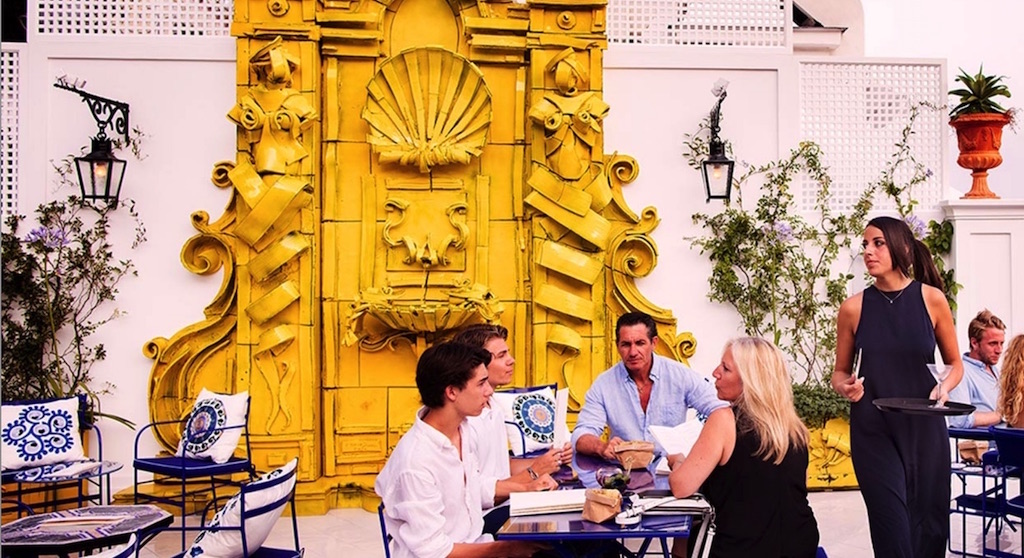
point(533, 413)
point(206, 435)
point(228, 543)
point(35, 434)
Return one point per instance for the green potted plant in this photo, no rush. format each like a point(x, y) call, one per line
point(57, 282)
point(979, 120)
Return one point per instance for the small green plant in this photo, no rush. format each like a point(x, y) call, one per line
point(782, 273)
point(978, 94)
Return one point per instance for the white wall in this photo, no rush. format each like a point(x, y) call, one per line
point(179, 95)
point(943, 29)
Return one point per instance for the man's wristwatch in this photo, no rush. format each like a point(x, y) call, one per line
point(533, 474)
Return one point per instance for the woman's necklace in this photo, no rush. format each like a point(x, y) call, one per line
point(893, 299)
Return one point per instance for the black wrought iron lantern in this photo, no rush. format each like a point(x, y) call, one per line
point(101, 173)
point(717, 168)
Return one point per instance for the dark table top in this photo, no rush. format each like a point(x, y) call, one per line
point(69, 531)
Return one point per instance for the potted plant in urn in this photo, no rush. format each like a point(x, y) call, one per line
point(979, 121)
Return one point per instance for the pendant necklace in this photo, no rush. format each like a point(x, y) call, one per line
point(893, 299)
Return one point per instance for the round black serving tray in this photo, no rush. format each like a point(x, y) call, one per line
point(921, 406)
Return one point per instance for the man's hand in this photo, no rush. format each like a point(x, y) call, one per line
point(543, 482)
point(608, 451)
point(553, 460)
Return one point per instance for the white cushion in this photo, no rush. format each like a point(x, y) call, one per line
point(213, 410)
point(34, 434)
point(533, 411)
point(228, 544)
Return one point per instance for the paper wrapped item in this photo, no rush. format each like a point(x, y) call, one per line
point(601, 504)
point(636, 454)
point(972, 450)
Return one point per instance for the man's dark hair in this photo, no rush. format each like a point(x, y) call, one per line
point(447, 364)
point(635, 318)
point(478, 335)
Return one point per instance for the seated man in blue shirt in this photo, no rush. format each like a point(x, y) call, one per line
point(644, 389)
point(980, 384)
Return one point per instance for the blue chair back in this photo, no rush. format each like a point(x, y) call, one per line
point(384, 531)
point(1010, 442)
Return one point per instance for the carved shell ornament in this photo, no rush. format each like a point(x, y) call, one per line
point(427, 106)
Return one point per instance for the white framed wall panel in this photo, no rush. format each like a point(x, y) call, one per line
point(988, 256)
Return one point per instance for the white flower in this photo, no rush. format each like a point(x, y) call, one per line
point(719, 88)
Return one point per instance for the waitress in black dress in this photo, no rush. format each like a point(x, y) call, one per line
point(901, 460)
point(751, 463)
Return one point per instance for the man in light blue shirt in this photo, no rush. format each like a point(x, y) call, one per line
point(642, 390)
point(980, 384)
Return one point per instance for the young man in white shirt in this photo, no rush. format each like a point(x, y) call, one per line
point(430, 484)
point(500, 474)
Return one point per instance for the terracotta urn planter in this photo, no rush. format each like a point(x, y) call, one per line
point(979, 137)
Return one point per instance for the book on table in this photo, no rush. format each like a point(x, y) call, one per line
point(549, 501)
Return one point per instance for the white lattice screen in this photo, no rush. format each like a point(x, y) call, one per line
point(732, 23)
point(10, 70)
point(134, 17)
point(857, 113)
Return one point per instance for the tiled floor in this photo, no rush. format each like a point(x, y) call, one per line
point(354, 533)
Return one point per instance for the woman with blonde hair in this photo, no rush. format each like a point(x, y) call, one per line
point(751, 464)
point(1011, 383)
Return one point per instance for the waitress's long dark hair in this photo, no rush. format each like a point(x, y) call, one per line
point(909, 255)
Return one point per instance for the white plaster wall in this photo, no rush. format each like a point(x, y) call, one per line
point(940, 29)
point(179, 92)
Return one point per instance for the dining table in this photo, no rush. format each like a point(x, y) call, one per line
point(571, 536)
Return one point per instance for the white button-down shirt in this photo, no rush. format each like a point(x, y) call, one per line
point(491, 443)
point(431, 497)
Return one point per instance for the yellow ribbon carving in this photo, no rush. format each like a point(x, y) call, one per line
point(273, 343)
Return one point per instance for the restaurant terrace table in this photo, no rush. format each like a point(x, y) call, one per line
point(566, 532)
point(84, 529)
point(53, 478)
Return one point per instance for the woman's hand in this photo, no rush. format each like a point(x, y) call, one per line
point(939, 394)
point(852, 388)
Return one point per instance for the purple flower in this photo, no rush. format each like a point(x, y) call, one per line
point(50, 238)
point(916, 225)
point(928, 173)
point(783, 231)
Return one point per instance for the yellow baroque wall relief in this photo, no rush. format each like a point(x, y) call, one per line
point(405, 169)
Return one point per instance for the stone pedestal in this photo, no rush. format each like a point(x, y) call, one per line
point(988, 256)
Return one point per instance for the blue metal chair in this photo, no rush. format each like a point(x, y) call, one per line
point(1009, 464)
point(384, 531)
point(247, 514)
point(13, 498)
point(185, 470)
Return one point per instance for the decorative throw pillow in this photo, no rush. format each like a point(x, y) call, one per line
point(533, 413)
point(206, 435)
point(228, 544)
point(39, 433)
